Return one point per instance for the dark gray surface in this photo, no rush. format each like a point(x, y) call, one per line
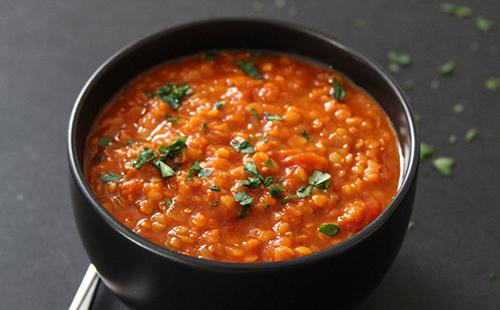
point(48, 49)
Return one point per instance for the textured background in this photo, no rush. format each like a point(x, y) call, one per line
point(49, 48)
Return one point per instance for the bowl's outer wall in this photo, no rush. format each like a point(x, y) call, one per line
point(143, 279)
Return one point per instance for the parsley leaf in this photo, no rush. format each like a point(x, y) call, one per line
point(306, 135)
point(458, 10)
point(276, 191)
point(483, 24)
point(329, 229)
point(243, 146)
point(215, 188)
point(165, 170)
point(319, 179)
point(271, 117)
point(245, 202)
point(251, 182)
point(168, 202)
point(173, 95)
point(110, 177)
point(104, 141)
point(252, 169)
point(447, 68)
point(426, 150)
point(337, 91)
point(255, 113)
point(249, 68)
point(470, 135)
point(150, 95)
point(492, 84)
point(210, 56)
point(458, 108)
point(269, 163)
point(444, 165)
point(171, 119)
point(205, 127)
point(172, 150)
point(143, 158)
point(205, 172)
point(401, 59)
point(218, 105)
point(194, 169)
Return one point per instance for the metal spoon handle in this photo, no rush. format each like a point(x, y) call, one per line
point(85, 292)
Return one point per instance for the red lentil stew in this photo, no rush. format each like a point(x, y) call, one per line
point(243, 157)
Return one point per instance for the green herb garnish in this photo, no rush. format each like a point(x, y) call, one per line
point(329, 229)
point(470, 135)
point(144, 157)
point(215, 188)
point(205, 127)
point(210, 56)
point(110, 177)
point(337, 91)
point(444, 165)
point(411, 225)
point(251, 182)
point(245, 202)
point(194, 169)
point(171, 119)
point(271, 117)
point(255, 113)
point(458, 108)
point(165, 170)
point(276, 191)
point(218, 105)
point(306, 135)
point(318, 179)
point(401, 59)
point(104, 141)
point(242, 146)
point(426, 150)
point(408, 85)
point(205, 172)
point(268, 163)
point(173, 150)
point(168, 202)
point(150, 94)
point(249, 68)
point(215, 203)
point(492, 84)
point(458, 11)
point(173, 95)
point(483, 24)
point(447, 68)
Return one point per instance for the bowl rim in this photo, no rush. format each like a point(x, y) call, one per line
point(191, 261)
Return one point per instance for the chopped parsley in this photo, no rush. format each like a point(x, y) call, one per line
point(110, 177)
point(173, 95)
point(276, 191)
point(218, 105)
point(459, 11)
point(205, 172)
point(444, 165)
point(168, 202)
point(268, 163)
point(470, 135)
point(329, 229)
point(165, 170)
point(271, 117)
point(398, 60)
point(205, 127)
point(408, 85)
point(150, 95)
point(426, 150)
point(243, 146)
point(245, 202)
point(492, 84)
point(144, 157)
point(448, 67)
point(215, 188)
point(458, 108)
point(104, 141)
point(252, 182)
point(318, 179)
point(172, 150)
point(411, 225)
point(483, 24)
point(215, 203)
point(249, 68)
point(194, 169)
point(306, 135)
point(337, 91)
point(210, 56)
point(255, 113)
point(171, 119)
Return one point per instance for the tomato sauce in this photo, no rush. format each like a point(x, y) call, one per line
point(241, 157)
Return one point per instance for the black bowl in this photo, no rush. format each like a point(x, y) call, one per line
point(147, 276)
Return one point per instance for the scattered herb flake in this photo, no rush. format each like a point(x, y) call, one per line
point(110, 177)
point(426, 151)
point(194, 169)
point(251, 182)
point(269, 163)
point(319, 179)
point(306, 135)
point(165, 170)
point(408, 85)
point(271, 117)
point(104, 141)
point(168, 202)
point(98, 158)
point(245, 202)
point(205, 127)
point(329, 229)
point(150, 94)
point(171, 119)
point(173, 150)
point(255, 113)
point(418, 118)
point(210, 56)
point(444, 165)
point(337, 91)
point(144, 157)
point(458, 11)
point(255, 53)
point(243, 146)
point(458, 108)
point(470, 135)
point(393, 67)
point(452, 139)
point(276, 191)
point(448, 67)
point(215, 203)
point(205, 172)
point(411, 225)
point(173, 95)
point(218, 105)
point(249, 68)
point(492, 84)
point(483, 24)
point(402, 59)
point(215, 188)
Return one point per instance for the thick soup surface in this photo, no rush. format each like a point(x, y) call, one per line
point(241, 157)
